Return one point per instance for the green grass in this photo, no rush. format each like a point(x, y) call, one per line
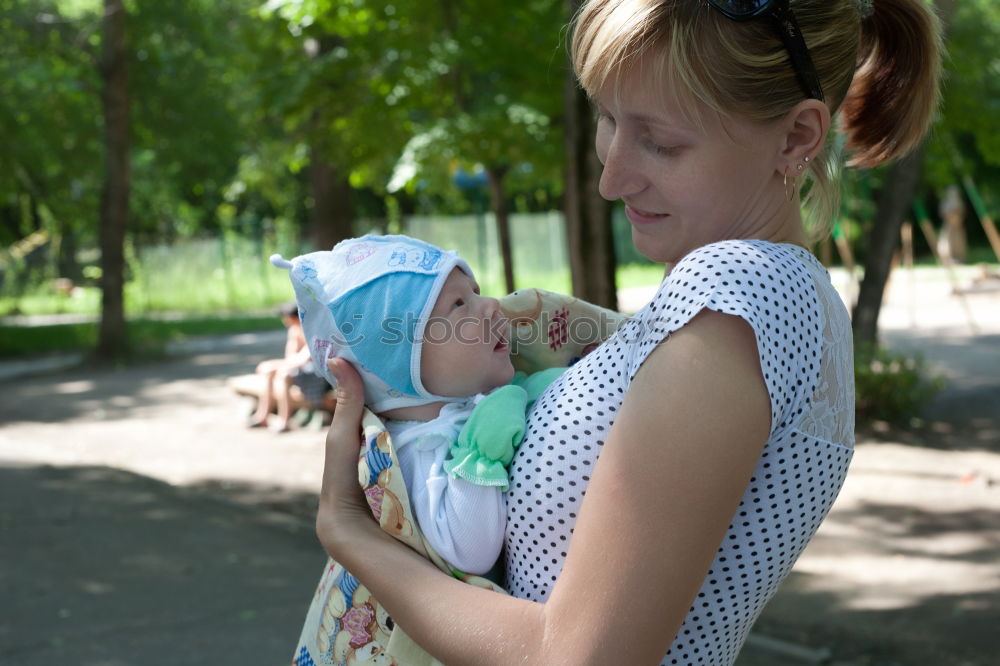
point(150, 333)
point(206, 277)
point(206, 287)
point(199, 276)
point(43, 300)
point(149, 336)
point(33, 340)
point(639, 275)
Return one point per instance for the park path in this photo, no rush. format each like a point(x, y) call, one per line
point(141, 523)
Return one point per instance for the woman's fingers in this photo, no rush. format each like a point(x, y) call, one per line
point(341, 498)
point(350, 394)
point(344, 436)
point(350, 389)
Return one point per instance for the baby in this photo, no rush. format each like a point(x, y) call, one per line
point(435, 360)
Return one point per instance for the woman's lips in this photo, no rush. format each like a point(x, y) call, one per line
point(639, 216)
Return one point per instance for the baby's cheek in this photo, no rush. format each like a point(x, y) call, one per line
point(472, 331)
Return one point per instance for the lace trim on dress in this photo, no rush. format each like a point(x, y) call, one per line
point(831, 412)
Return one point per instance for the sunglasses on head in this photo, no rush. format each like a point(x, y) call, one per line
point(784, 20)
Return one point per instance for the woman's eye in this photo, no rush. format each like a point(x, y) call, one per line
point(665, 151)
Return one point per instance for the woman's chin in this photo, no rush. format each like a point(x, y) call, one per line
point(663, 248)
point(653, 248)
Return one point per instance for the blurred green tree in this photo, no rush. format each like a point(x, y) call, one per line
point(401, 95)
point(963, 142)
point(50, 167)
point(250, 115)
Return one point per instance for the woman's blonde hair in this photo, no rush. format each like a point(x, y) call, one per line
point(881, 70)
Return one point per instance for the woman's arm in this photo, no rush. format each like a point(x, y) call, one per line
point(684, 446)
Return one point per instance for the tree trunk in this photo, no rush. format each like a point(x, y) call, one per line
point(332, 217)
point(892, 208)
point(66, 264)
point(588, 215)
point(499, 196)
point(112, 342)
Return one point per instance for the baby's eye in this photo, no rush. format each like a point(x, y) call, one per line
point(459, 303)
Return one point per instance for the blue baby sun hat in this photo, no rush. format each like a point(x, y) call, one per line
point(368, 301)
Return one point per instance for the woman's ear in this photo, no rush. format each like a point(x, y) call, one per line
point(805, 128)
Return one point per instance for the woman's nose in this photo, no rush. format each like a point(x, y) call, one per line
point(621, 176)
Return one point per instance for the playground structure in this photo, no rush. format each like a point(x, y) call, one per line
point(986, 281)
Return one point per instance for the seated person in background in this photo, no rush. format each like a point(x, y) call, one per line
point(279, 375)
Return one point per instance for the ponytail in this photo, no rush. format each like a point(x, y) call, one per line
point(894, 94)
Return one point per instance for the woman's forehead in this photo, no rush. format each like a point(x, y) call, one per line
point(651, 94)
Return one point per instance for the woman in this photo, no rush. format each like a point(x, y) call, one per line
point(714, 431)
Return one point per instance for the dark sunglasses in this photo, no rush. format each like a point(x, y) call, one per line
point(784, 20)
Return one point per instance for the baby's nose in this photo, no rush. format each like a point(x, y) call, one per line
point(491, 307)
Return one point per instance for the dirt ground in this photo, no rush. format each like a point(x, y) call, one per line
point(140, 522)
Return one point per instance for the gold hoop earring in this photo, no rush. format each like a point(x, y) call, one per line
point(790, 193)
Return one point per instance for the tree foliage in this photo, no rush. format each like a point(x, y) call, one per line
point(233, 99)
point(967, 134)
point(50, 166)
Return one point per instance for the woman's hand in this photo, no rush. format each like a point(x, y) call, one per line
point(343, 509)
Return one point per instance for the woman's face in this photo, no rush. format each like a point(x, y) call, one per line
point(686, 185)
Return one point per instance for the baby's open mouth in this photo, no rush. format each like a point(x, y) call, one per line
point(501, 331)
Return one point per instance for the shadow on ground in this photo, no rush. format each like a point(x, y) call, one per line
point(106, 567)
point(955, 421)
point(89, 391)
point(85, 391)
point(905, 522)
point(922, 634)
point(867, 605)
point(966, 414)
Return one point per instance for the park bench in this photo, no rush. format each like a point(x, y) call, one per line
point(312, 416)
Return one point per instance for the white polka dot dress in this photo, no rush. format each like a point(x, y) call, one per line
point(804, 340)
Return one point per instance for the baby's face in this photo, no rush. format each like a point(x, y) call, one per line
point(465, 349)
